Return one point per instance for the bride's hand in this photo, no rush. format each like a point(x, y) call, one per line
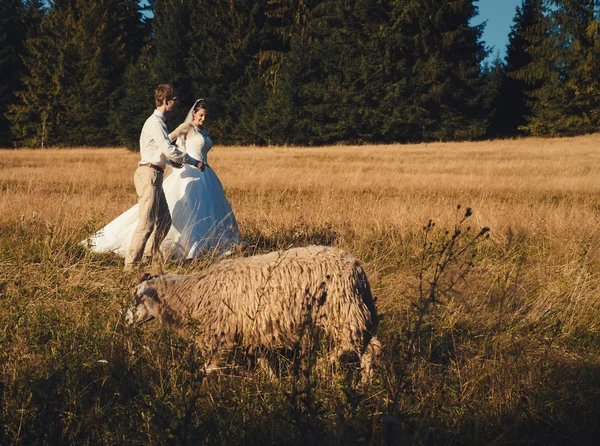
point(200, 165)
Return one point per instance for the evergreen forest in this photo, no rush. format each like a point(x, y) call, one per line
point(295, 72)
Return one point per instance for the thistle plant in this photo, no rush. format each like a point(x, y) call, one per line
point(446, 259)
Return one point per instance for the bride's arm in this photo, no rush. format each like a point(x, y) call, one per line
point(178, 137)
point(183, 129)
point(183, 137)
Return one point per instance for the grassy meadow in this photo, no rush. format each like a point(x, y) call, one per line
point(490, 337)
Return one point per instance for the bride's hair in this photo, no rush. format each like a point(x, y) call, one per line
point(200, 103)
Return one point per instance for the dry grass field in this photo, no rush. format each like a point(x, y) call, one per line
point(488, 340)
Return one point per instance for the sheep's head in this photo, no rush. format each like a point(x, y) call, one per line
point(146, 306)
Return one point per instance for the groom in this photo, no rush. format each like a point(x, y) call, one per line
point(155, 152)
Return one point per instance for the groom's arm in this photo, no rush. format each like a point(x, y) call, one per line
point(171, 151)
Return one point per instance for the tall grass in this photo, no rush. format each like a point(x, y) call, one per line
point(487, 340)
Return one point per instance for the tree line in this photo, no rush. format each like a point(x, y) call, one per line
point(295, 72)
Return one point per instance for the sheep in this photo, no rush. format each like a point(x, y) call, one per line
point(267, 302)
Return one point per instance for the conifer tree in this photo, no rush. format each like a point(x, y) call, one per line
point(227, 66)
point(434, 83)
point(136, 102)
point(272, 112)
point(493, 82)
point(107, 36)
point(323, 72)
point(34, 13)
point(19, 20)
point(85, 92)
point(11, 40)
point(340, 53)
point(511, 109)
point(135, 94)
point(33, 116)
point(73, 73)
point(565, 69)
point(172, 31)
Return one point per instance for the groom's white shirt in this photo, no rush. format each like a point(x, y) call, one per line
point(155, 147)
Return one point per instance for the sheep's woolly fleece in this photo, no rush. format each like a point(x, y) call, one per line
point(267, 301)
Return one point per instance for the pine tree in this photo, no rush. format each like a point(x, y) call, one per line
point(84, 98)
point(565, 69)
point(74, 72)
point(323, 91)
point(136, 102)
point(106, 34)
point(511, 109)
point(11, 37)
point(226, 67)
point(18, 21)
point(34, 13)
point(493, 83)
point(433, 62)
point(273, 112)
point(335, 98)
point(135, 94)
point(172, 29)
point(33, 115)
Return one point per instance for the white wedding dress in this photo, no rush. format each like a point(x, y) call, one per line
point(202, 216)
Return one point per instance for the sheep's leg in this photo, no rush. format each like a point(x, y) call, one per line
point(212, 364)
point(369, 357)
point(265, 366)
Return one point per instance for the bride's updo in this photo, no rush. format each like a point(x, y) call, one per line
point(200, 103)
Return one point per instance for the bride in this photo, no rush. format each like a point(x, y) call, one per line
point(202, 216)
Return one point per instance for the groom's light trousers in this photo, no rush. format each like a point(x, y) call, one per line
point(154, 216)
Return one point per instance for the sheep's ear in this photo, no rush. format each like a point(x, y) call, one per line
point(147, 275)
point(155, 271)
point(144, 276)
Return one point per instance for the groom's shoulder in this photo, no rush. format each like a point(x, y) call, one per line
point(155, 116)
point(152, 119)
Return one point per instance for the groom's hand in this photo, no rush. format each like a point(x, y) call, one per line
point(200, 165)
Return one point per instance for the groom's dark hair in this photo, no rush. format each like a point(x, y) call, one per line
point(164, 92)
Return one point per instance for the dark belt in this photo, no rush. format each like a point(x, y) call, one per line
point(153, 166)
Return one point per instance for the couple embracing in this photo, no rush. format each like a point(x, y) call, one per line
point(183, 216)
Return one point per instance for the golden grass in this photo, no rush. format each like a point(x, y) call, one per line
point(547, 184)
point(518, 339)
